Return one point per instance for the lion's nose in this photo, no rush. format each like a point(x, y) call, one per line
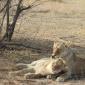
point(52, 56)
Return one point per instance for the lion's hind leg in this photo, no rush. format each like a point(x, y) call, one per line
point(21, 70)
point(33, 76)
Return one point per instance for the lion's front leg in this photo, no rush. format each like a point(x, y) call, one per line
point(50, 76)
point(64, 77)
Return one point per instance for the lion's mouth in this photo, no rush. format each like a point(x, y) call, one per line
point(59, 73)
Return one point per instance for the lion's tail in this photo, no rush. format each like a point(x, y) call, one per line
point(21, 66)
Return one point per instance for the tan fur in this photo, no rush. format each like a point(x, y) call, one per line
point(76, 66)
point(46, 66)
point(42, 67)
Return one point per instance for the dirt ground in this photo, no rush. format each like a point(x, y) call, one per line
point(54, 19)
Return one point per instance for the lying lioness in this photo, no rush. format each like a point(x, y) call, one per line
point(42, 67)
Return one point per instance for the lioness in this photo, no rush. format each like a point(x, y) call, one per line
point(42, 67)
point(75, 65)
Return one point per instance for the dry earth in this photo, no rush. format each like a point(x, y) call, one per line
point(54, 19)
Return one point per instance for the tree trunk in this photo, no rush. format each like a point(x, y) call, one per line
point(9, 33)
point(10, 27)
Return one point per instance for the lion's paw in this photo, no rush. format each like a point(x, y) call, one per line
point(48, 76)
point(60, 79)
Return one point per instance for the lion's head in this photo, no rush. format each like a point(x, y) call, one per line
point(59, 47)
point(58, 65)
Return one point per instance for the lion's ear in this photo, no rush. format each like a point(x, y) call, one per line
point(64, 45)
point(62, 61)
point(68, 43)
